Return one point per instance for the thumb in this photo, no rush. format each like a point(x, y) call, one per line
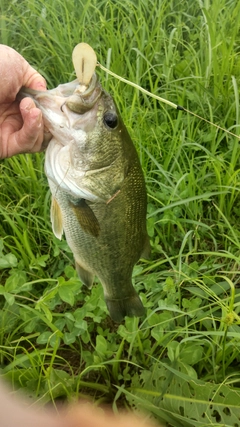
point(33, 79)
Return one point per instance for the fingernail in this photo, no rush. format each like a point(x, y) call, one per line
point(39, 120)
point(40, 86)
point(36, 118)
point(28, 105)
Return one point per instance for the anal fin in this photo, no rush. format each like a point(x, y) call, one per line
point(146, 251)
point(85, 276)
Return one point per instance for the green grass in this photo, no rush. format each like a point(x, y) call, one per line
point(180, 363)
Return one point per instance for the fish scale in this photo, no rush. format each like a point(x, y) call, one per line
point(98, 189)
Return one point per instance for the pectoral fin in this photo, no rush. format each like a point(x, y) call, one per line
point(56, 219)
point(85, 217)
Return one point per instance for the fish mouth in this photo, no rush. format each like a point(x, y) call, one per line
point(85, 96)
point(68, 106)
point(70, 112)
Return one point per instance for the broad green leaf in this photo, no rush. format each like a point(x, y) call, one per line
point(44, 337)
point(43, 307)
point(16, 282)
point(71, 272)
point(69, 338)
point(81, 325)
point(80, 329)
point(101, 345)
point(60, 323)
point(66, 294)
point(40, 261)
point(8, 261)
point(31, 325)
point(9, 298)
point(173, 350)
point(191, 353)
point(177, 398)
point(2, 290)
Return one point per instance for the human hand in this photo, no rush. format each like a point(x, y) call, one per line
point(86, 415)
point(21, 124)
point(17, 410)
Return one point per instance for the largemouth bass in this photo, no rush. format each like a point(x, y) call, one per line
point(98, 192)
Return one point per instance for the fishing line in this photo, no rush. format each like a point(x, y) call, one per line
point(62, 180)
point(165, 101)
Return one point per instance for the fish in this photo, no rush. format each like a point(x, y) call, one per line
point(99, 198)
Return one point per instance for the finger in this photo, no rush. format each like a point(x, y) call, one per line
point(25, 106)
point(31, 133)
point(95, 417)
point(30, 137)
point(33, 79)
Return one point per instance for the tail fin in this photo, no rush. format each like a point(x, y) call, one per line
point(130, 306)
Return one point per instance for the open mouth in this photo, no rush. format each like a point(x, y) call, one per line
point(65, 107)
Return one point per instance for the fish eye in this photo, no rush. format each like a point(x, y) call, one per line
point(110, 119)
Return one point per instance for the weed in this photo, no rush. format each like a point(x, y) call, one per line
point(180, 362)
